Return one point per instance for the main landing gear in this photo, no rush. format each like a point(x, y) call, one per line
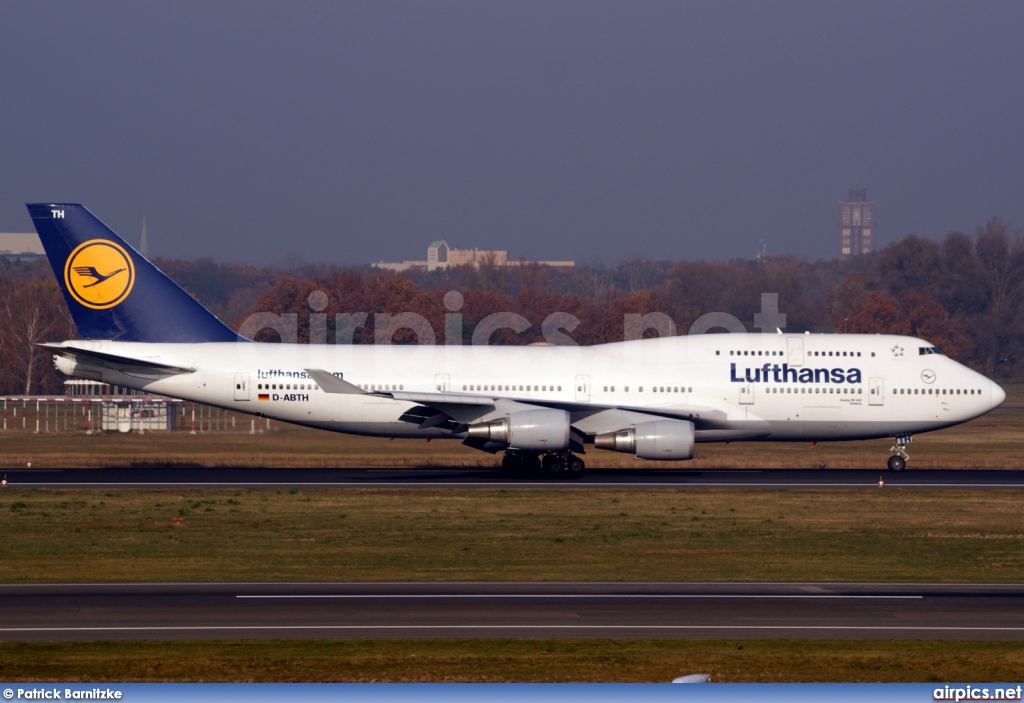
point(898, 460)
point(554, 464)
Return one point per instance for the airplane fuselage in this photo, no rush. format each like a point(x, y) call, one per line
point(770, 387)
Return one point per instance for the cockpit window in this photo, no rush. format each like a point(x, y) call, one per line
point(928, 350)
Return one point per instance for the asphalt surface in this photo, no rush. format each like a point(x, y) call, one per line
point(474, 477)
point(166, 611)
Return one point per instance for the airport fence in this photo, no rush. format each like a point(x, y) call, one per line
point(137, 414)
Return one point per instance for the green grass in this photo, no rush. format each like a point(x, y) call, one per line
point(520, 534)
point(513, 661)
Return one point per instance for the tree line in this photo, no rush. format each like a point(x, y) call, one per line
point(964, 293)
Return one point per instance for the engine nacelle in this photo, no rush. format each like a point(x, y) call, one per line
point(539, 430)
point(662, 440)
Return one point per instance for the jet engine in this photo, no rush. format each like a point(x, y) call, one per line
point(543, 429)
point(664, 440)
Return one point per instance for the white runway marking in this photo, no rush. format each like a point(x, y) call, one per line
point(213, 628)
point(496, 484)
point(580, 595)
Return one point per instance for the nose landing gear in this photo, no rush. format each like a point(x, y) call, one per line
point(898, 460)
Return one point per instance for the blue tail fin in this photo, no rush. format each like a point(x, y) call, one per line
point(111, 290)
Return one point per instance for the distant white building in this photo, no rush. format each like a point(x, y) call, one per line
point(23, 245)
point(441, 256)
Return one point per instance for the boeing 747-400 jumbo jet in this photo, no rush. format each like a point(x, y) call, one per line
point(542, 406)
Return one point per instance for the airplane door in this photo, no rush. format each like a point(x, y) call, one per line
point(242, 386)
point(583, 389)
point(876, 391)
point(441, 382)
point(747, 394)
point(795, 351)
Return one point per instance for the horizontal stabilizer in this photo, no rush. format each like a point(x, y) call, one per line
point(332, 384)
point(117, 362)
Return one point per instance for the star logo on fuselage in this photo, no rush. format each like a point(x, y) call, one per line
point(897, 350)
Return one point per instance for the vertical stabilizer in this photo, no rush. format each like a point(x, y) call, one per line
point(112, 291)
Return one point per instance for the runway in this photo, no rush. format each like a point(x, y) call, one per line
point(168, 611)
point(177, 477)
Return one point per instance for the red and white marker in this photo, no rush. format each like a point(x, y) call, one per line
point(881, 483)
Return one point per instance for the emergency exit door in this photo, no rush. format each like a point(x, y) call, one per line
point(583, 389)
point(242, 386)
point(876, 391)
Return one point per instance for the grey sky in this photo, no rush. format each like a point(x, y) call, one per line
point(350, 132)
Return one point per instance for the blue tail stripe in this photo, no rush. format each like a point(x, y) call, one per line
point(145, 305)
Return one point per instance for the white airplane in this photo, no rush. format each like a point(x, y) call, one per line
point(542, 406)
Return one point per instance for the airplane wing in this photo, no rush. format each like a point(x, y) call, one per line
point(330, 383)
point(455, 411)
point(455, 405)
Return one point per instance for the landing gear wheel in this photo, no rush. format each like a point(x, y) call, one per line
point(515, 462)
point(552, 464)
point(575, 466)
point(531, 463)
point(898, 460)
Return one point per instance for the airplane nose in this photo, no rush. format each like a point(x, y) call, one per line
point(998, 395)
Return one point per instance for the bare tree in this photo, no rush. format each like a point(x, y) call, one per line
point(32, 312)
